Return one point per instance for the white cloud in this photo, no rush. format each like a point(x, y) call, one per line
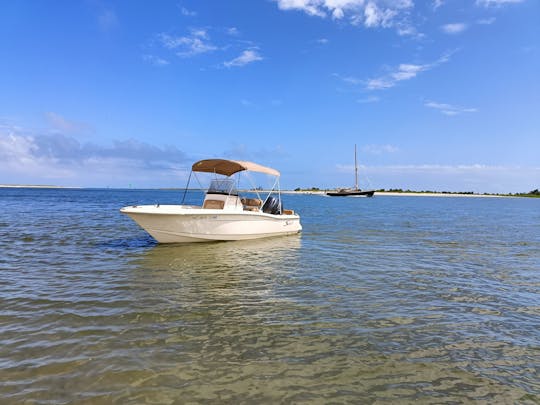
point(407, 71)
point(448, 109)
point(322, 41)
point(31, 158)
point(404, 29)
point(404, 71)
point(375, 16)
point(380, 83)
point(18, 157)
point(371, 13)
point(311, 7)
point(246, 57)
point(454, 28)
point(233, 31)
point(198, 42)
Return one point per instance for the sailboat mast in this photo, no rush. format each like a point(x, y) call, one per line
point(355, 170)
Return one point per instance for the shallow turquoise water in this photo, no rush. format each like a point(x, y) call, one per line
point(378, 300)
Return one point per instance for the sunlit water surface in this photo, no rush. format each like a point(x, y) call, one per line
point(431, 300)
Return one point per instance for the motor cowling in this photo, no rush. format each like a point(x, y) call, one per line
point(272, 206)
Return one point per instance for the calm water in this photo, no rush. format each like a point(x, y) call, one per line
point(435, 300)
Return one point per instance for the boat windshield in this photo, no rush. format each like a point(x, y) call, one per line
point(222, 186)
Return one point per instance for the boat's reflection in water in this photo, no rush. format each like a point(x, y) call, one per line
point(242, 268)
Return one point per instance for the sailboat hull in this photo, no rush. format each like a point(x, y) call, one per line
point(351, 193)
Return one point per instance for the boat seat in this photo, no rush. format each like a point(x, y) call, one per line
point(288, 212)
point(251, 204)
point(213, 204)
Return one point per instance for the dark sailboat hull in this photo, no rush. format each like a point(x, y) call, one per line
point(351, 193)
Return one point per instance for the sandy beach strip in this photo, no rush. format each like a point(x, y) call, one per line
point(409, 194)
point(31, 186)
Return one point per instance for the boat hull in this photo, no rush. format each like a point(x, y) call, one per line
point(351, 193)
point(179, 224)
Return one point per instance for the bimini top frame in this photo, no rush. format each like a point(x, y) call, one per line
point(228, 167)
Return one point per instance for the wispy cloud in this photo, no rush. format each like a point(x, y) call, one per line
point(496, 3)
point(349, 79)
point(454, 28)
point(404, 71)
point(197, 42)
point(406, 29)
point(322, 41)
point(370, 13)
point(486, 21)
point(59, 123)
point(246, 57)
point(448, 109)
point(155, 60)
point(367, 100)
point(437, 4)
point(187, 13)
point(233, 31)
point(379, 149)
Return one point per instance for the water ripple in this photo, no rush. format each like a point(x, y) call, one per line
point(379, 300)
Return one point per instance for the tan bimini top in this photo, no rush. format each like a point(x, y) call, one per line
point(230, 167)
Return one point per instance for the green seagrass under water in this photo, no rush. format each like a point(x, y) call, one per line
point(431, 300)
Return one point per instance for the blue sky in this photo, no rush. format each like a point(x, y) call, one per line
point(438, 95)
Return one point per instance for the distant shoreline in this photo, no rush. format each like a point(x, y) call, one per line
point(33, 186)
point(408, 194)
point(300, 192)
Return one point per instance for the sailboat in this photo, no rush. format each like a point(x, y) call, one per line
point(352, 192)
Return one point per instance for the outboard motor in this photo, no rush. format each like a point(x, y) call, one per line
point(272, 206)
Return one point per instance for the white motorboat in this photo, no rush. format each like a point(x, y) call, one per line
point(224, 214)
